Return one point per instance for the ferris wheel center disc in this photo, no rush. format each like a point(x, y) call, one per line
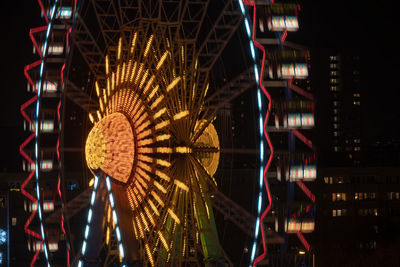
point(110, 146)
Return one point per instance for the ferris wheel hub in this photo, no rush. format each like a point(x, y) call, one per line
point(110, 146)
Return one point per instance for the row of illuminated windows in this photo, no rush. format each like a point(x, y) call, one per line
point(361, 212)
point(361, 179)
point(365, 196)
point(368, 212)
point(339, 212)
point(338, 196)
point(393, 195)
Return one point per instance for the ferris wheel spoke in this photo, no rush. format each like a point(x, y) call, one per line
point(109, 20)
point(220, 34)
point(80, 98)
point(231, 90)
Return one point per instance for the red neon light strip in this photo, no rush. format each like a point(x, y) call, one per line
point(306, 190)
point(28, 119)
point(267, 209)
point(305, 140)
point(303, 240)
point(36, 30)
point(301, 91)
point(28, 77)
point(36, 255)
point(24, 106)
point(43, 11)
point(283, 37)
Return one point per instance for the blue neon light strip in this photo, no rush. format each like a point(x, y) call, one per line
point(89, 219)
point(44, 52)
point(114, 213)
point(253, 53)
point(90, 216)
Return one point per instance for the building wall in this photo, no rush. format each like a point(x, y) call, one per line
point(358, 216)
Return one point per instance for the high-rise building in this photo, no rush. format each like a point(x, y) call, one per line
point(339, 108)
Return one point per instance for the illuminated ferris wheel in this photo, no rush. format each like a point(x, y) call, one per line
point(153, 82)
point(150, 80)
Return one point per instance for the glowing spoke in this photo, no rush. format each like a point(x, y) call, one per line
point(160, 187)
point(181, 115)
point(174, 216)
point(156, 102)
point(163, 137)
point(159, 113)
point(149, 255)
point(162, 59)
point(133, 42)
point(181, 185)
point(156, 197)
point(161, 125)
point(173, 84)
point(163, 241)
point(164, 150)
point(154, 207)
point(149, 42)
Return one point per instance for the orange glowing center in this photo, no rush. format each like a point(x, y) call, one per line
point(110, 146)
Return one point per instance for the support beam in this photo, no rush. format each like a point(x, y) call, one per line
point(88, 47)
point(230, 91)
point(241, 217)
point(80, 98)
point(220, 34)
point(73, 207)
point(108, 19)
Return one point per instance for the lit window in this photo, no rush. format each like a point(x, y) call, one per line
point(14, 221)
point(333, 73)
point(357, 148)
point(333, 80)
point(336, 149)
point(335, 133)
point(356, 95)
point(335, 126)
point(334, 88)
point(356, 103)
point(333, 65)
point(326, 180)
point(334, 213)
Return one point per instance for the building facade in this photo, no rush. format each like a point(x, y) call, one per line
point(358, 216)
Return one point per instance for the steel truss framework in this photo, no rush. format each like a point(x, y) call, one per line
point(187, 19)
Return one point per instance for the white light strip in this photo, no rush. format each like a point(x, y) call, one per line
point(261, 128)
point(39, 90)
point(89, 219)
point(115, 218)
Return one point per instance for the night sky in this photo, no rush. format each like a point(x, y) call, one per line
point(371, 27)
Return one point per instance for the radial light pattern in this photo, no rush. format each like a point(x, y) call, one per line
point(144, 136)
